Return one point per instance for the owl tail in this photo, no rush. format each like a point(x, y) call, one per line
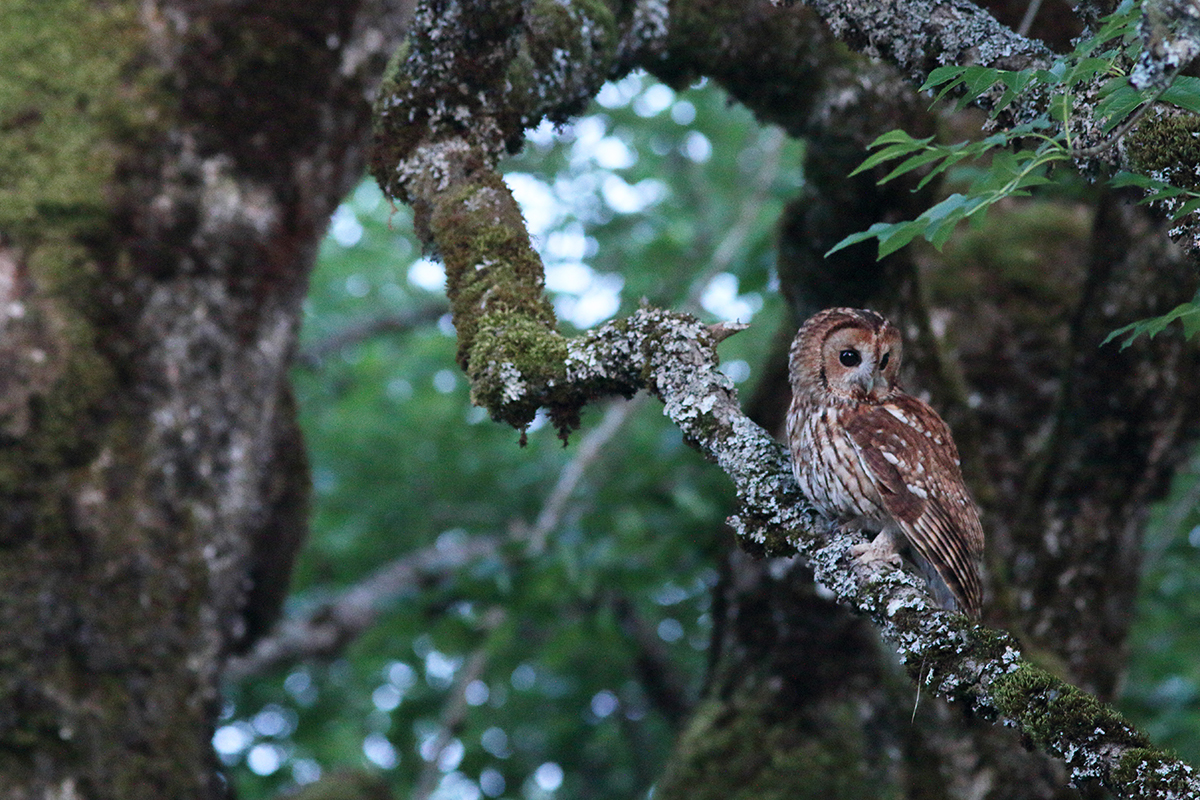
point(945, 596)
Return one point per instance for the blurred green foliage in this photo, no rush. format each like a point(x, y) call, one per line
point(651, 195)
point(1162, 692)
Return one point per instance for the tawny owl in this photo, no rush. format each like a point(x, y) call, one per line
point(872, 457)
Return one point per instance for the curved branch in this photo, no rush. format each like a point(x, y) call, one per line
point(313, 356)
point(327, 629)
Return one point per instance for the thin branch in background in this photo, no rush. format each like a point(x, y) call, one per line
point(325, 631)
point(771, 141)
point(1161, 536)
point(454, 712)
point(1031, 11)
point(665, 687)
point(312, 356)
point(589, 450)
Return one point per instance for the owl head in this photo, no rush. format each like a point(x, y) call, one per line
point(846, 354)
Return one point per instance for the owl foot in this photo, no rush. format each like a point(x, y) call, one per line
point(881, 548)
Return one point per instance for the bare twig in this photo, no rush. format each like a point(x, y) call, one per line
point(589, 450)
point(665, 686)
point(454, 711)
point(325, 630)
point(311, 357)
point(771, 141)
point(1031, 12)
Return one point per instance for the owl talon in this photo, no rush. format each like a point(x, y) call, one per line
point(882, 548)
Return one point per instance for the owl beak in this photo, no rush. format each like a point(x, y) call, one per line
point(865, 381)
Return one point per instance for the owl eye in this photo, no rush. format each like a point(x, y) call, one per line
point(883, 362)
point(850, 358)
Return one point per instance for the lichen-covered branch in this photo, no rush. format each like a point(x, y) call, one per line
point(920, 35)
point(676, 360)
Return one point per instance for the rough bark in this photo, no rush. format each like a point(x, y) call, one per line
point(169, 170)
point(767, 58)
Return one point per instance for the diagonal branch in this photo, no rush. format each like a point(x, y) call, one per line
point(454, 711)
point(328, 628)
point(312, 356)
point(969, 663)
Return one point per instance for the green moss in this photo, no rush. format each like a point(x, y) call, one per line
point(587, 29)
point(747, 748)
point(510, 347)
point(78, 103)
point(1168, 146)
point(1155, 775)
point(1049, 710)
point(491, 269)
point(64, 105)
point(1012, 248)
point(395, 79)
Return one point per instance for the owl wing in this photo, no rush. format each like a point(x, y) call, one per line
point(908, 453)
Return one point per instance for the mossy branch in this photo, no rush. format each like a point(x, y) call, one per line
point(458, 95)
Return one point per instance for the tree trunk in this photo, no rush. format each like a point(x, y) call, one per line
point(169, 169)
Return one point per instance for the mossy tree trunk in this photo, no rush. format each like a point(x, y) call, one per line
point(166, 172)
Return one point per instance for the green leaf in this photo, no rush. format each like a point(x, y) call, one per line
point(876, 230)
point(943, 217)
point(1087, 69)
point(1186, 208)
point(1120, 23)
point(920, 160)
point(1119, 100)
point(897, 137)
point(1185, 93)
point(949, 162)
point(978, 80)
point(942, 75)
point(1014, 84)
point(1125, 178)
point(895, 150)
point(1163, 192)
point(899, 235)
point(1188, 313)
